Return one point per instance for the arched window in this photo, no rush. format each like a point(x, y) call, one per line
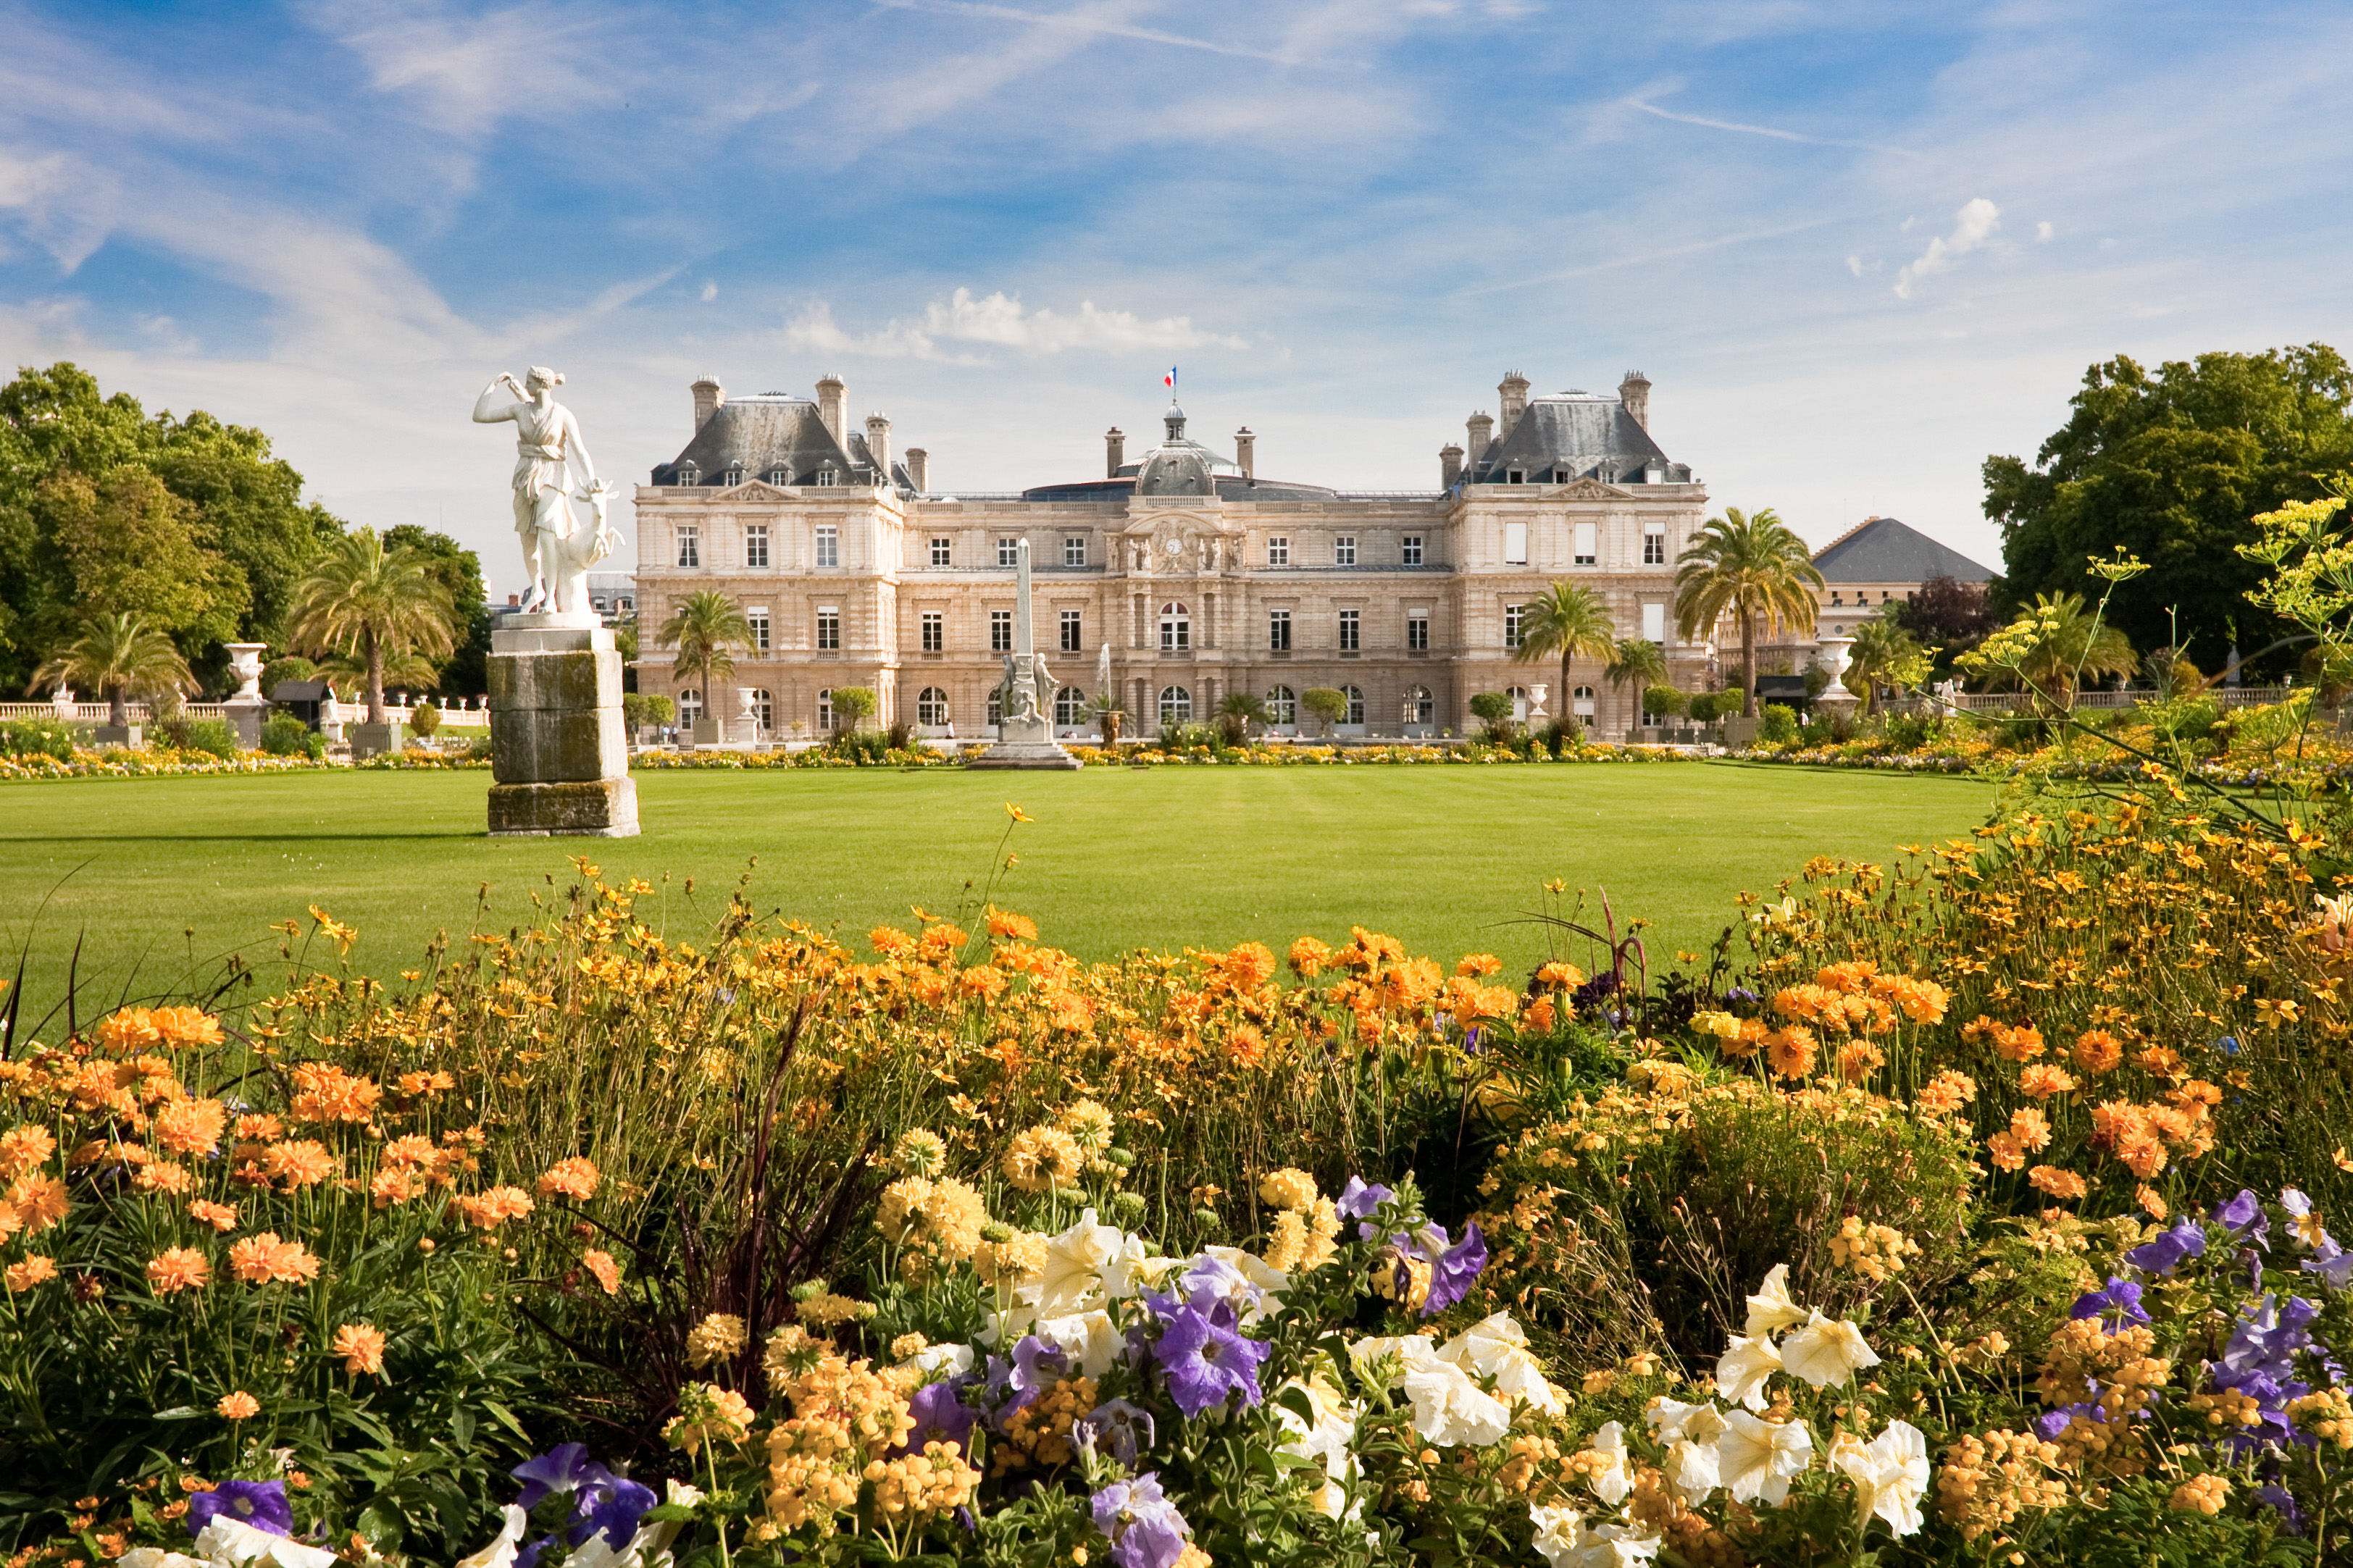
point(824, 710)
point(932, 707)
point(764, 708)
point(689, 707)
point(1282, 705)
point(1070, 706)
point(1355, 696)
point(1417, 709)
point(1175, 628)
point(1519, 696)
point(1176, 705)
point(1582, 705)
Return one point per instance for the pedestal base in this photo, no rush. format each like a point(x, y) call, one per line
point(376, 740)
point(1025, 751)
point(247, 717)
point(597, 808)
point(131, 735)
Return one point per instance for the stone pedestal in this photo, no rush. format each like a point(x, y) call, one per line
point(1024, 743)
point(106, 735)
point(559, 749)
point(376, 740)
point(246, 716)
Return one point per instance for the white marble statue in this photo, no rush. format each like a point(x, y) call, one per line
point(548, 452)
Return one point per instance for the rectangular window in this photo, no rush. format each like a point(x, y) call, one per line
point(1516, 545)
point(1005, 553)
point(1511, 616)
point(1073, 632)
point(1278, 552)
point(935, 634)
point(1074, 549)
point(689, 544)
point(1410, 550)
point(1654, 624)
point(756, 544)
point(1655, 544)
point(1588, 549)
point(1000, 631)
point(758, 621)
point(1417, 631)
point(1344, 550)
point(829, 629)
point(939, 552)
point(829, 544)
point(1278, 631)
point(1349, 627)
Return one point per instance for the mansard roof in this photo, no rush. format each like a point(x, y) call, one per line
point(1575, 434)
point(759, 434)
point(1883, 549)
point(1229, 488)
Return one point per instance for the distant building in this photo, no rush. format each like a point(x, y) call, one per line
point(1882, 561)
point(612, 593)
point(855, 567)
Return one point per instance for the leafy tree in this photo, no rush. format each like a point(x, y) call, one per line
point(1661, 700)
point(2049, 648)
point(853, 704)
point(1637, 659)
point(1328, 703)
point(130, 546)
point(1751, 564)
point(459, 571)
point(121, 656)
point(1947, 615)
point(1884, 654)
point(1493, 709)
point(704, 628)
point(2172, 466)
point(1569, 620)
point(378, 603)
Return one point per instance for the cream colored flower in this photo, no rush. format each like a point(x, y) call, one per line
point(1090, 1338)
point(500, 1552)
point(1564, 1541)
point(1770, 1310)
point(1615, 1478)
point(1075, 1259)
point(1325, 1440)
point(1890, 1474)
point(1370, 1359)
point(1690, 1433)
point(1825, 1351)
point(1742, 1371)
point(1757, 1457)
point(1450, 1410)
point(1495, 1348)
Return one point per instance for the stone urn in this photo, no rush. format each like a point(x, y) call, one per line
point(1536, 690)
point(747, 713)
point(1832, 658)
point(63, 703)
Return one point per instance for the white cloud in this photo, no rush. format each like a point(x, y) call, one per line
point(470, 72)
point(1855, 265)
point(2042, 231)
point(1000, 320)
point(709, 291)
point(1971, 227)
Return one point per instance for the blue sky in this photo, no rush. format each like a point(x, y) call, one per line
point(1856, 247)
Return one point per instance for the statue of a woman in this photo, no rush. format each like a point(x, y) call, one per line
point(548, 439)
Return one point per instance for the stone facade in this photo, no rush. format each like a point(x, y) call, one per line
point(858, 568)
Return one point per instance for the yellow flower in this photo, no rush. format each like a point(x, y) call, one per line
point(1016, 814)
point(717, 1338)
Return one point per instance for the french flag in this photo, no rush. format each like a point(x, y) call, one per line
point(1169, 381)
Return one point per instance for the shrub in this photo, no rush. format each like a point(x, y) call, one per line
point(215, 737)
point(286, 667)
point(854, 704)
point(645, 710)
point(37, 738)
point(424, 720)
point(1664, 700)
point(1912, 732)
point(284, 735)
point(1328, 704)
point(1777, 724)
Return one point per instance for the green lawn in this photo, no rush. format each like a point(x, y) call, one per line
point(153, 876)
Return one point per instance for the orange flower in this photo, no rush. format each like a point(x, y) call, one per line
point(600, 1264)
point(324, 1092)
point(162, 1176)
point(2096, 1050)
point(24, 1149)
point(2021, 1043)
point(1479, 964)
point(34, 1270)
point(574, 1178)
point(2008, 1152)
point(2028, 1127)
point(1249, 966)
point(260, 1127)
point(2045, 1080)
point(2162, 1061)
point(191, 1126)
point(1791, 1051)
point(179, 1268)
point(1005, 922)
point(2152, 1200)
point(395, 1185)
point(40, 1201)
point(362, 1347)
point(1946, 1093)
point(238, 1406)
point(264, 1259)
point(302, 1164)
point(180, 1027)
point(2144, 1159)
point(493, 1208)
point(220, 1217)
point(1246, 1043)
point(1858, 1059)
point(2059, 1183)
point(1308, 957)
point(130, 1029)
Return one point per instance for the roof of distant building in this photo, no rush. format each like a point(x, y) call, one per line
point(1180, 466)
point(769, 433)
point(1575, 434)
point(1883, 550)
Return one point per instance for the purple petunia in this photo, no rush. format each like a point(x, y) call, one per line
point(1453, 1270)
point(1117, 1428)
point(563, 1468)
point(940, 1418)
point(262, 1504)
point(2167, 1252)
point(2277, 1497)
point(1037, 1365)
point(2244, 1217)
point(2115, 1307)
point(604, 1503)
point(1359, 1198)
point(1203, 1358)
point(1143, 1527)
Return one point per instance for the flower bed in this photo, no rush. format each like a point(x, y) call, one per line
point(164, 761)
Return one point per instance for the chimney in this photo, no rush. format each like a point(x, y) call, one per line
point(878, 441)
point(708, 395)
point(1450, 466)
point(832, 398)
point(919, 470)
point(1115, 452)
point(1482, 432)
point(1634, 392)
point(1512, 393)
point(1245, 450)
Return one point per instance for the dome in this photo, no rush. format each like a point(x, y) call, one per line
point(1175, 471)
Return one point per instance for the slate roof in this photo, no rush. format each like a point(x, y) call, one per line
point(1179, 467)
point(764, 433)
point(1883, 549)
point(1575, 434)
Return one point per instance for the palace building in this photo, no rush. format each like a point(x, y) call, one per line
point(856, 568)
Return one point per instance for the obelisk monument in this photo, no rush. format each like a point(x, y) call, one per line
point(1025, 735)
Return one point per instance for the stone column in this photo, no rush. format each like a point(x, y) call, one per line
point(559, 751)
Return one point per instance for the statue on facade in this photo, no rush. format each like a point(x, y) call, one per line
point(548, 452)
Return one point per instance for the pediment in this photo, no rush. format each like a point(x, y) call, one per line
point(1593, 489)
point(760, 489)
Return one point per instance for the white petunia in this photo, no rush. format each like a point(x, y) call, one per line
point(1496, 1348)
point(1825, 1351)
point(225, 1541)
point(1090, 1338)
point(651, 1544)
point(1890, 1474)
point(1325, 1440)
point(1369, 1358)
point(1757, 1457)
point(1072, 1278)
point(1262, 1291)
point(1690, 1433)
point(1564, 1541)
point(1450, 1410)
point(934, 1360)
point(1558, 1532)
point(1613, 1482)
point(156, 1557)
point(1743, 1370)
point(1770, 1310)
point(500, 1552)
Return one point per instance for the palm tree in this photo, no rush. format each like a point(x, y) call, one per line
point(702, 628)
point(1570, 621)
point(2068, 642)
point(121, 656)
point(1881, 645)
point(377, 603)
point(1752, 564)
point(1237, 713)
point(1638, 659)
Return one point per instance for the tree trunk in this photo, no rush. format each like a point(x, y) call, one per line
point(1563, 714)
point(118, 706)
point(375, 675)
point(1748, 664)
